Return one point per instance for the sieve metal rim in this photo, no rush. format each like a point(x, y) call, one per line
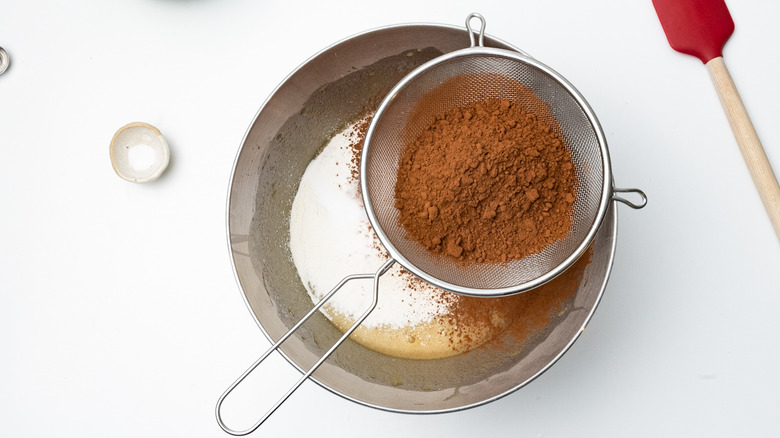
point(604, 200)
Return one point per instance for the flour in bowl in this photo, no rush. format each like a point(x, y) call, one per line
point(330, 238)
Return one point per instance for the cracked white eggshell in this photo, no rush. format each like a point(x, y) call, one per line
point(139, 152)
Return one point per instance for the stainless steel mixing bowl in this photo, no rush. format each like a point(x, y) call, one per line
point(320, 98)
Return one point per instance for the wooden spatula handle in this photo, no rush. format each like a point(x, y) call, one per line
point(747, 139)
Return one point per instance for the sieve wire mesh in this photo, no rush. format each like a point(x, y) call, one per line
point(476, 76)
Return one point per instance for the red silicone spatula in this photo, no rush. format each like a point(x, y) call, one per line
point(701, 28)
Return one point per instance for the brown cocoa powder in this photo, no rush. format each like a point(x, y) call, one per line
point(525, 315)
point(356, 139)
point(509, 322)
point(487, 182)
point(512, 321)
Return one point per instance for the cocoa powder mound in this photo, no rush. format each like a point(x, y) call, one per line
point(487, 182)
point(510, 323)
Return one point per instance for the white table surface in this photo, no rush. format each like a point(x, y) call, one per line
point(119, 313)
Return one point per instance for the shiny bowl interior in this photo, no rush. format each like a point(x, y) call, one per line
point(316, 101)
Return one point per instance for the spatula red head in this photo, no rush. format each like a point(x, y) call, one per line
point(696, 27)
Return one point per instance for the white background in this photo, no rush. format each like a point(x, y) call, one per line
point(119, 313)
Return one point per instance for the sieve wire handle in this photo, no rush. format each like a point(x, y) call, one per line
point(634, 205)
point(375, 295)
point(481, 31)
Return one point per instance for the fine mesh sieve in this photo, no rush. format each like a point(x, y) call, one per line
point(478, 73)
point(469, 76)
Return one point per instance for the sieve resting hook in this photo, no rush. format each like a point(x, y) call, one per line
point(375, 296)
point(481, 31)
point(636, 206)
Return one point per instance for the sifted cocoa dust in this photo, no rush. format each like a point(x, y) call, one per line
point(487, 182)
point(357, 138)
point(512, 321)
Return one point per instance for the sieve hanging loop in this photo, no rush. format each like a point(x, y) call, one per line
point(374, 299)
point(643, 197)
point(481, 31)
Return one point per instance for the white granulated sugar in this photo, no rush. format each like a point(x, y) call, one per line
point(330, 238)
point(141, 156)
